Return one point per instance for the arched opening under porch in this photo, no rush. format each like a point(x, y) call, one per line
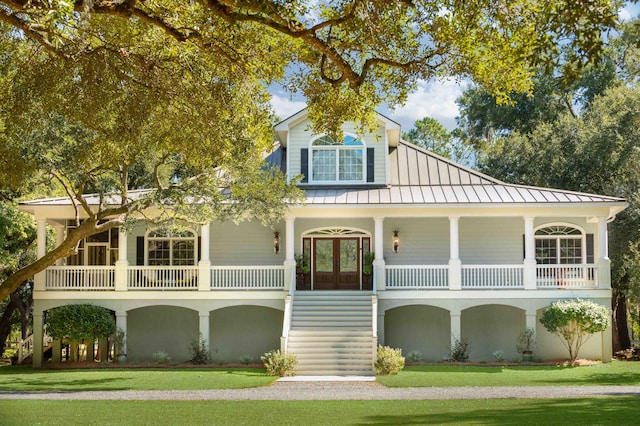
point(422, 328)
point(243, 333)
point(491, 328)
point(152, 329)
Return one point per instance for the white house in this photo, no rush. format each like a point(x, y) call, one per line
point(456, 254)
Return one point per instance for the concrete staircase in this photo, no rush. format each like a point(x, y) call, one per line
point(331, 333)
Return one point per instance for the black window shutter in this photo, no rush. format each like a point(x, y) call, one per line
point(590, 248)
point(524, 248)
point(199, 249)
point(139, 251)
point(304, 164)
point(371, 170)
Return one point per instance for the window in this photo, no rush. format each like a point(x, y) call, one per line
point(333, 161)
point(560, 245)
point(175, 247)
point(95, 250)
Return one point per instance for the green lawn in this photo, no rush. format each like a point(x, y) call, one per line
point(25, 378)
point(584, 411)
point(614, 373)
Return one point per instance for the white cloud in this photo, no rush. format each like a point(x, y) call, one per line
point(436, 100)
point(284, 106)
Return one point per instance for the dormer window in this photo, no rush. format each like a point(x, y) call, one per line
point(333, 161)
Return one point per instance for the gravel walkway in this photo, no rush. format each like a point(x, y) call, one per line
point(318, 390)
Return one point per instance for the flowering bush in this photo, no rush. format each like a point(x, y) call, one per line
point(389, 360)
point(574, 321)
point(279, 363)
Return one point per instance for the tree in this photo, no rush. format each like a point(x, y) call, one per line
point(78, 322)
point(574, 321)
point(103, 96)
point(346, 56)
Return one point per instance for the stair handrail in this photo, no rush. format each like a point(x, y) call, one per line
point(374, 316)
point(25, 348)
point(286, 323)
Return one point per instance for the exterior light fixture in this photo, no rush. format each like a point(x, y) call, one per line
point(276, 242)
point(396, 242)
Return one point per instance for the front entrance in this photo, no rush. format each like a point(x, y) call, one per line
point(336, 263)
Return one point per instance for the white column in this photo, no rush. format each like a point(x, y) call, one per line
point(290, 259)
point(38, 335)
point(121, 323)
point(604, 264)
point(379, 271)
point(204, 266)
point(122, 263)
point(41, 250)
point(455, 265)
point(203, 328)
point(59, 239)
point(531, 319)
point(529, 263)
point(381, 328)
point(456, 327)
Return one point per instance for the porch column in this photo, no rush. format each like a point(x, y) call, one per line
point(456, 328)
point(56, 351)
point(455, 265)
point(122, 263)
point(41, 250)
point(607, 350)
point(59, 239)
point(381, 327)
point(203, 329)
point(121, 323)
point(529, 272)
point(204, 266)
point(289, 259)
point(531, 319)
point(379, 271)
point(38, 336)
point(604, 263)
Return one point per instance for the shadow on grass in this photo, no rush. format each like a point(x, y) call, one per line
point(557, 412)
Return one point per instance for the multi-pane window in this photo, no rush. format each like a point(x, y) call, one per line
point(171, 247)
point(337, 161)
point(559, 245)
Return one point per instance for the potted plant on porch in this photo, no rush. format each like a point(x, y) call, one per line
point(526, 343)
point(367, 270)
point(303, 281)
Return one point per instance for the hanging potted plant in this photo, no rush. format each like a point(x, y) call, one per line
point(303, 281)
point(526, 343)
point(367, 270)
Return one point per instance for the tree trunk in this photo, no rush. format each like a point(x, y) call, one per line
point(5, 324)
point(622, 328)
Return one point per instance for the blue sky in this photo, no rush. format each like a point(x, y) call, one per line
point(435, 99)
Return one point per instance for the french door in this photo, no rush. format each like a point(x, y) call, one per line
point(336, 264)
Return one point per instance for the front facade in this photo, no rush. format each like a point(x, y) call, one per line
point(394, 245)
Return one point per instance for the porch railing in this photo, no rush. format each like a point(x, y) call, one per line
point(492, 276)
point(247, 277)
point(567, 276)
point(402, 277)
point(163, 278)
point(80, 278)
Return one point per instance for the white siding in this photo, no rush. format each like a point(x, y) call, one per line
point(247, 243)
point(422, 241)
point(300, 136)
point(491, 240)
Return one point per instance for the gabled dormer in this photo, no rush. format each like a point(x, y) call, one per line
point(356, 160)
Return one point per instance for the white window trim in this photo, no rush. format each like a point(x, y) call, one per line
point(337, 149)
point(582, 236)
point(194, 239)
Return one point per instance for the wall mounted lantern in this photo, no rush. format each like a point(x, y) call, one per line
point(276, 242)
point(396, 242)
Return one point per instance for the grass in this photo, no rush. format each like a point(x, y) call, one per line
point(25, 378)
point(586, 411)
point(614, 373)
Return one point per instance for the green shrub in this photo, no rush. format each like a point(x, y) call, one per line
point(414, 356)
point(199, 351)
point(280, 363)
point(246, 359)
point(161, 357)
point(460, 350)
point(389, 360)
point(498, 355)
